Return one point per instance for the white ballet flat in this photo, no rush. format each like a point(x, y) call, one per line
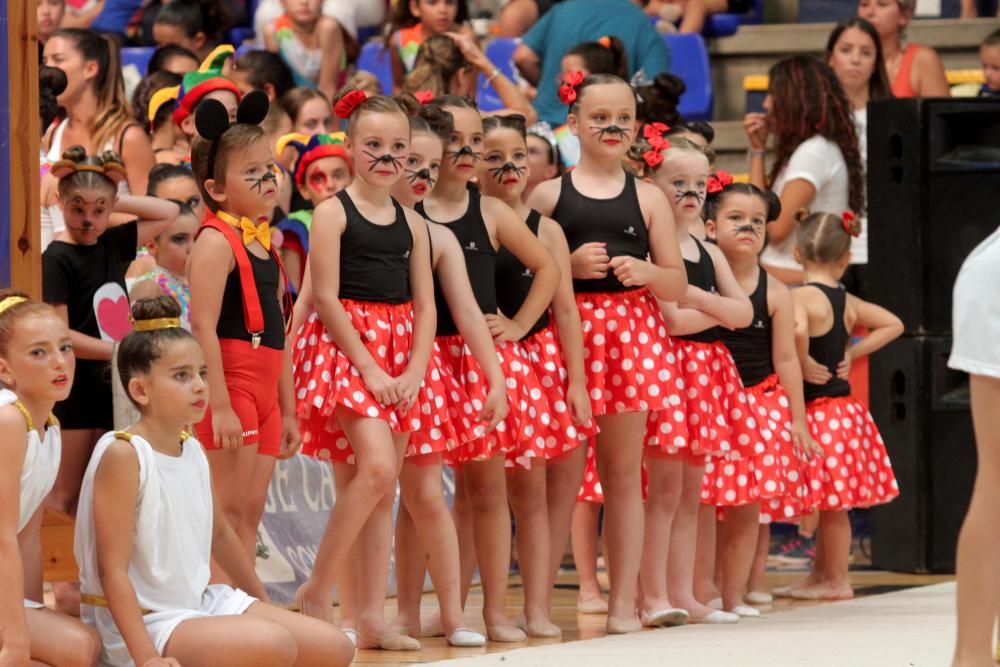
point(745, 612)
point(719, 617)
point(352, 635)
point(715, 603)
point(759, 597)
point(664, 618)
point(466, 638)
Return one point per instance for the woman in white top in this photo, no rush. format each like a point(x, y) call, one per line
point(147, 530)
point(817, 160)
point(36, 362)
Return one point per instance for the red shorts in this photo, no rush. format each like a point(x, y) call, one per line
point(252, 380)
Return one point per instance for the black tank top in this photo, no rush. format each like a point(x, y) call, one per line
point(514, 280)
point(829, 348)
point(618, 222)
point(374, 259)
point(232, 324)
point(702, 274)
point(480, 261)
point(751, 346)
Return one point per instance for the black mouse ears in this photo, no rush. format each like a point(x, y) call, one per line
point(212, 118)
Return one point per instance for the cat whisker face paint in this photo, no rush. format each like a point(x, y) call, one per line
point(753, 229)
point(464, 151)
point(387, 158)
point(499, 172)
point(257, 182)
point(697, 195)
point(614, 132)
point(422, 174)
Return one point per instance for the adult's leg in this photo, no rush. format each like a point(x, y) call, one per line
point(665, 477)
point(526, 490)
point(619, 466)
point(562, 481)
point(979, 542)
point(586, 519)
point(61, 641)
point(376, 457)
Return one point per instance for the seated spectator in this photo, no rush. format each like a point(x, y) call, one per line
point(989, 55)
point(310, 44)
point(309, 110)
point(50, 15)
point(450, 64)
point(413, 22)
point(197, 25)
point(173, 58)
point(517, 16)
point(971, 9)
point(263, 70)
point(539, 55)
point(914, 70)
point(350, 14)
point(693, 13)
point(153, 105)
point(105, 16)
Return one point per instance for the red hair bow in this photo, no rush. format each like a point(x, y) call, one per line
point(652, 157)
point(654, 130)
point(718, 181)
point(567, 89)
point(424, 96)
point(850, 226)
point(346, 105)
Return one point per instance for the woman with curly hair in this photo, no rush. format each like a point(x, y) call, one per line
point(816, 156)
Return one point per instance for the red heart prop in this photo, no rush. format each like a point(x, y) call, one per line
point(113, 317)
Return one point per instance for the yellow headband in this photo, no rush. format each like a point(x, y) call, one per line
point(157, 324)
point(11, 301)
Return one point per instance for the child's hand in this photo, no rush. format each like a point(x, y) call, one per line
point(161, 662)
point(504, 330)
point(291, 439)
point(844, 367)
point(815, 372)
point(803, 442)
point(694, 298)
point(407, 386)
point(755, 125)
point(590, 261)
point(579, 403)
point(495, 407)
point(227, 431)
point(382, 386)
point(631, 272)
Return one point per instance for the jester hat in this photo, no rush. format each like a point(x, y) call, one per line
point(314, 148)
point(204, 80)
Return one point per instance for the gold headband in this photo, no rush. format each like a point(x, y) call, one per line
point(11, 301)
point(157, 324)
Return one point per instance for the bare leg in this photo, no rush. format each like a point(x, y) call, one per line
point(683, 538)
point(486, 487)
point(318, 644)
point(758, 570)
point(249, 640)
point(409, 567)
point(255, 499)
point(979, 542)
point(348, 587)
point(527, 493)
point(586, 516)
point(58, 640)
point(665, 478)
point(232, 472)
point(562, 481)
point(739, 544)
point(466, 540)
point(619, 466)
point(30, 541)
point(835, 531)
point(376, 456)
point(705, 589)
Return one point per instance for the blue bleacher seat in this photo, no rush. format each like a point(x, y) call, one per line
point(500, 51)
point(368, 32)
point(247, 48)
point(689, 61)
point(723, 25)
point(374, 58)
point(138, 56)
point(240, 34)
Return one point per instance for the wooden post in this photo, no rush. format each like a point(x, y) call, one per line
point(20, 136)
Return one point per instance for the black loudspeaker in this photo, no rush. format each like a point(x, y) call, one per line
point(922, 410)
point(933, 195)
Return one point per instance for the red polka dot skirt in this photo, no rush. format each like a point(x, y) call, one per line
point(709, 419)
point(855, 470)
point(325, 378)
point(563, 434)
point(627, 354)
point(522, 432)
point(590, 488)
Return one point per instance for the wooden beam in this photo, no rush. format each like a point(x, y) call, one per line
point(24, 138)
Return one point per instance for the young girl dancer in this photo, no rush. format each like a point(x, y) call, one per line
point(149, 525)
point(482, 226)
point(624, 257)
point(36, 369)
point(237, 315)
point(736, 217)
point(700, 425)
point(311, 44)
point(542, 490)
point(373, 332)
point(170, 250)
point(854, 470)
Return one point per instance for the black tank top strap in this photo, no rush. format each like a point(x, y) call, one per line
point(829, 348)
point(374, 258)
point(514, 279)
point(701, 273)
point(751, 346)
point(618, 222)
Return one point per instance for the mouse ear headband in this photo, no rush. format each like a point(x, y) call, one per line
point(113, 171)
point(212, 120)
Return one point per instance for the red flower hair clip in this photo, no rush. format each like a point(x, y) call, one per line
point(347, 104)
point(424, 96)
point(851, 224)
point(718, 181)
point(567, 89)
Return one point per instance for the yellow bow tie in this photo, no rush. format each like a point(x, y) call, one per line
point(251, 232)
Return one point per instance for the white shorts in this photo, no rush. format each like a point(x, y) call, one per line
point(976, 311)
point(218, 600)
point(31, 604)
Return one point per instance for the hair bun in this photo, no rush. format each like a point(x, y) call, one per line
point(75, 154)
point(156, 308)
point(801, 214)
point(773, 205)
point(253, 108)
point(212, 119)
